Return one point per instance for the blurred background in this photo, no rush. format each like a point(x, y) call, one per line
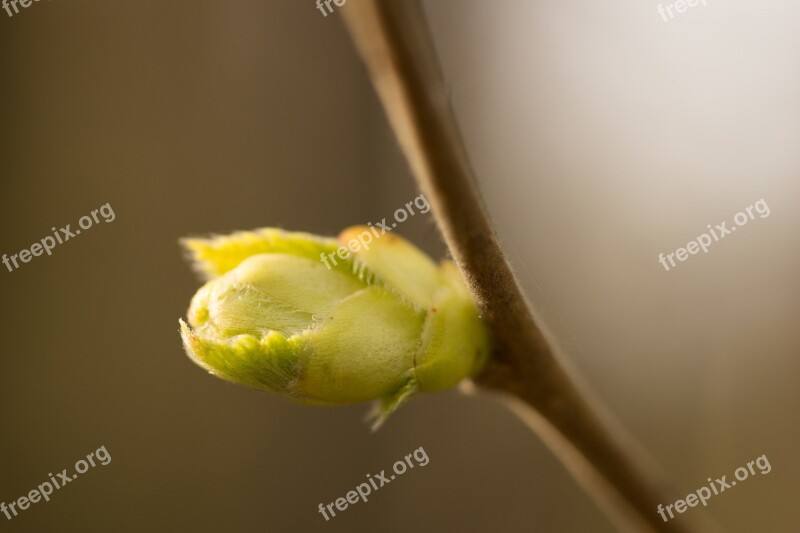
point(602, 135)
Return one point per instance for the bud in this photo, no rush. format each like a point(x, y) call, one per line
point(303, 317)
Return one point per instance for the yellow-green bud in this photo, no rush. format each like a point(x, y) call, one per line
point(283, 312)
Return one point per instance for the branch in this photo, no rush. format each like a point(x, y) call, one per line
point(392, 39)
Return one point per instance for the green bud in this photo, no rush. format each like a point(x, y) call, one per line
point(283, 312)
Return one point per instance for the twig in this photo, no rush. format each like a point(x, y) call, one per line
point(393, 40)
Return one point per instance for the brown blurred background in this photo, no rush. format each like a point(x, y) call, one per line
point(602, 136)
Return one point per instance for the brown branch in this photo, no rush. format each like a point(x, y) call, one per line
point(392, 38)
